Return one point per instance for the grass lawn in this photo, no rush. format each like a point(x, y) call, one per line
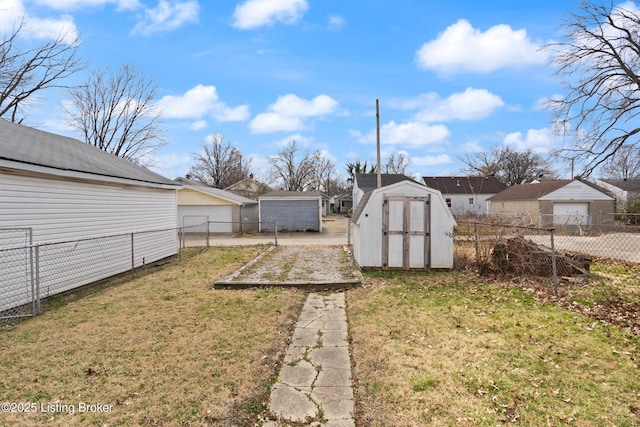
point(161, 349)
point(444, 348)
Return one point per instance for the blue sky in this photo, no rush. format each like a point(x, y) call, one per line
point(452, 77)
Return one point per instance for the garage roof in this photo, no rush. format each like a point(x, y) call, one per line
point(33, 147)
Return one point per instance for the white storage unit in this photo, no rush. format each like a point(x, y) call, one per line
point(65, 190)
point(404, 225)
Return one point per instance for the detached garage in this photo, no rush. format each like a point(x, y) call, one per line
point(291, 211)
point(555, 203)
point(404, 225)
point(223, 211)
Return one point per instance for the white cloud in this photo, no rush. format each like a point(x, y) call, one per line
point(289, 111)
point(336, 22)
point(412, 134)
point(198, 125)
point(462, 48)
point(472, 147)
point(166, 17)
point(170, 165)
point(538, 140)
point(258, 13)
point(199, 102)
point(13, 11)
point(440, 159)
point(302, 141)
point(472, 104)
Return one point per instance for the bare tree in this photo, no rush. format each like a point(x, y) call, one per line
point(624, 164)
point(114, 113)
point(397, 163)
point(296, 169)
point(598, 63)
point(509, 166)
point(24, 73)
point(220, 164)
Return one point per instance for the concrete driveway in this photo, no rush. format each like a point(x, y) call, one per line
point(334, 232)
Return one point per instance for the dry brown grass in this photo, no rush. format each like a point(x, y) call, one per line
point(444, 349)
point(162, 349)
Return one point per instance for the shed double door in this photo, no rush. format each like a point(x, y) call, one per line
point(406, 225)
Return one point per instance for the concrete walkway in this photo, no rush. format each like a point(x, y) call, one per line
point(314, 386)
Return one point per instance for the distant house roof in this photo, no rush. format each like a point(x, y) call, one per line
point(465, 184)
point(624, 184)
point(369, 181)
point(245, 184)
point(292, 195)
point(529, 191)
point(216, 192)
point(28, 147)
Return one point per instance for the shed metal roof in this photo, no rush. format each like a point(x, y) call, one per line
point(30, 146)
point(279, 194)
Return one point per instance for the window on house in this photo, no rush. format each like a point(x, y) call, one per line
point(470, 200)
point(448, 200)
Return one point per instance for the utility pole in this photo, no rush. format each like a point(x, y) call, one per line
point(379, 181)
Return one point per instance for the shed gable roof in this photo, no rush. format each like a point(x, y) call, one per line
point(30, 146)
point(465, 184)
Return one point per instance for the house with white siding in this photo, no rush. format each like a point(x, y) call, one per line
point(466, 195)
point(625, 191)
point(552, 203)
point(64, 190)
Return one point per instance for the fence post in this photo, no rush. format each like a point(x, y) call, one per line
point(133, 260)
point(476, 238)
point(276, 235)
point(348, 232)
point(554, 268)
point(208, 230)
point(37, 290)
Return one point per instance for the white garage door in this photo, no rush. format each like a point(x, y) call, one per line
point(220, 217)
point(570, 213)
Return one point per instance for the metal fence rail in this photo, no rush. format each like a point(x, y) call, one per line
point(35, 271)
point(538, 251)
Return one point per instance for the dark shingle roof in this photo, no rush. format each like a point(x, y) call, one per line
point(529, 191)
point(465, 184)
point(369, 181)
point(624, 184)
point(31, 146)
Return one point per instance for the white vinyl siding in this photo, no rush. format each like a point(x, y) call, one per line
point(577, 191)
point(63, 210)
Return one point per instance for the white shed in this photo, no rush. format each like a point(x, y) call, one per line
point(67, 191)
point(403, 225)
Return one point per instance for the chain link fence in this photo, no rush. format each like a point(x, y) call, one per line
point(31, 272)
point(202, 233)
point(525, 250)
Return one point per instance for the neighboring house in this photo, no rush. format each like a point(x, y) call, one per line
point(365, 182)
point(249, 188)
point(65, 190)
point(403, 225)
point(561, 202)
point(625, 191)
point(291, 211)
point(343, 203)
point(225, 212)
point(466, 195)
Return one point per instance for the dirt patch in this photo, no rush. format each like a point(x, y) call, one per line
point(297, 265)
